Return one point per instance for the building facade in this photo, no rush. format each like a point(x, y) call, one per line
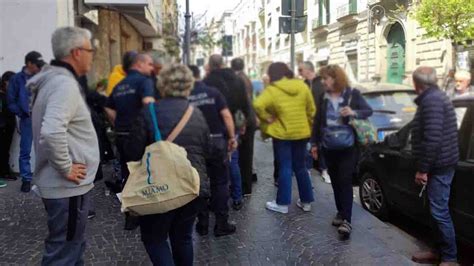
point(368, 38)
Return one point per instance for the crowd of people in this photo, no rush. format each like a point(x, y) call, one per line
point(70, 127)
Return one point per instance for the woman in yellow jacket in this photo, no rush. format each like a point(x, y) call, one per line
point(286, 109)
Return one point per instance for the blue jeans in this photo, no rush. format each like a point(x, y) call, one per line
point(26, 141)
point(235, 177)
point(290, 155)
point(439, 188)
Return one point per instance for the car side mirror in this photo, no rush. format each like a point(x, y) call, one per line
point(393, 141)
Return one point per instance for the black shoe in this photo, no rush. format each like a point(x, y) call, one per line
point(237, 205)
point(202, 230)
point(254, 178)
point(9, 177)
point(91, 215)
point(131, 222)
point(26, 186)
point(345, 229)
point(224, 229)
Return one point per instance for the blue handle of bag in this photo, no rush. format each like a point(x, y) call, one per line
point(156, 130)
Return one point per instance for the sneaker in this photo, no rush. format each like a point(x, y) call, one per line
point(237, 205)
point(273, 206)
point(26, 186)
point(202, 230)
point(2, 183)
point(325, 176)
point(337, 221)
point(304, 206)
point(345, 229)
point(91, 215)
point(224, 229)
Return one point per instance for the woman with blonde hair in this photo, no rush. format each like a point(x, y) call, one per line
point(176, 82)
point(286, 109)
point(332, 132)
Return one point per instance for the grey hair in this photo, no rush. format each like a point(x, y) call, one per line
point(175, 80)
point(463, 75)
point(308, 65)
point(216, 61)
point(65, 39)
point(425, 76)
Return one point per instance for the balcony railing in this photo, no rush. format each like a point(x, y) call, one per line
point(347, 9)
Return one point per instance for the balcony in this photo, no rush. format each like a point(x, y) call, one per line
point(319, 26)
point(347, 13)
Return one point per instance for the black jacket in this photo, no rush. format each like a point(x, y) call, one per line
point(317, 89)
point(194, 138)
point(232, 87)
point(358, 104)
point(434, 132)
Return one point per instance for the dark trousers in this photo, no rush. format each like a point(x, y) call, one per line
point(26, 142)
point(246, 160)
point(218, 171)
point(276, 166)
point(341, 164)
point(438, 189)
point(6, 134)
point(120, 143)
point(67, 220)
point(177, 225)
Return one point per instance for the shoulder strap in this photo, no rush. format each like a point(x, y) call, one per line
point(182, 123)
point(156, 130)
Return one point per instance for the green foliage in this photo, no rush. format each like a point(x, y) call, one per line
point(451, 19)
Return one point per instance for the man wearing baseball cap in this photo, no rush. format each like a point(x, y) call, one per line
point(19, 103)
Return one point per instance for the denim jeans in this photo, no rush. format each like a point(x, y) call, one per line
point(175, 225)
point(26, 142)
point(438, 189)
point(235, 177)
point(290, 155)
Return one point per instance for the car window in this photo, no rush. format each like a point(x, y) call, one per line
point(398, 102)
point(460, 114)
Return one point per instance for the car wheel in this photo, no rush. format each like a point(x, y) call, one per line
point(372, 196)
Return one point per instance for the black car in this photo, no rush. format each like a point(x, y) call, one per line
point(392, 104)
point(387, 176)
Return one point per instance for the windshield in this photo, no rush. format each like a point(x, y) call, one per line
point(392, 110)
point(397, 102)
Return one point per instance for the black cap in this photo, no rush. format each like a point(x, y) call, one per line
point(34, 58)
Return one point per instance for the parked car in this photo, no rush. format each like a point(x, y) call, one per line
point(387, 176)
point(392, 104)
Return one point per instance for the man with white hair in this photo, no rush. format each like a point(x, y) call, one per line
point(66, 145)
point(435, 147)
point(463, 83)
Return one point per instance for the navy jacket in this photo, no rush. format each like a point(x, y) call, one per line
point(18, 95)
point(358, 104)
point(434, 133)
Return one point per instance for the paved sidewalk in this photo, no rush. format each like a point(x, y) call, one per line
point(263, 237)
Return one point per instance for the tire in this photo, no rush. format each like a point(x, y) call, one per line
point(372, 196)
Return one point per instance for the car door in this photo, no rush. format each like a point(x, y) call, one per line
point(462, 198)
point(402, 169)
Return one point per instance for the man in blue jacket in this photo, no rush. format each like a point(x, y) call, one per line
point(19, 104)
point(435, 147)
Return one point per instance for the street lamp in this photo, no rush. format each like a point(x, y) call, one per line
point(377, 11)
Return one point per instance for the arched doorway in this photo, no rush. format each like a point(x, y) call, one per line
point(396, 54)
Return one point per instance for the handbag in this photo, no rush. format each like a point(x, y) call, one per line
point(164, 179)
point(338, 137)
point(365, 131)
